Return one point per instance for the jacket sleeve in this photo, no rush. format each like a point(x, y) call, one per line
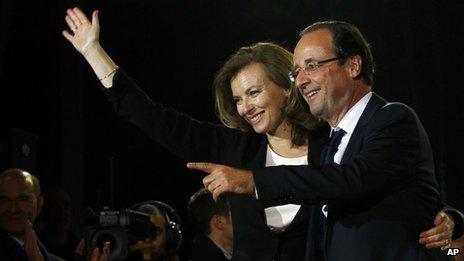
point(458, 218)
point(184, 136)
point(394, 152)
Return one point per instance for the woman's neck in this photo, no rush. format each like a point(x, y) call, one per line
point(281, 143)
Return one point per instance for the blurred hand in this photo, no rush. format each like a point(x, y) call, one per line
point(30, 244)
point(84, 34)
point(440, 235)
point(80, 248)
point(103, 256)
point(222, 178)
point(148, 246)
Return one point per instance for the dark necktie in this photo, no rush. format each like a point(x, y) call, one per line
point(330, 151)
point(328, 157)
point(335, 139)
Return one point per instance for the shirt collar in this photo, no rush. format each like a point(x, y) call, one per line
point(351, 118)
point(227, 255)
point(19, 240)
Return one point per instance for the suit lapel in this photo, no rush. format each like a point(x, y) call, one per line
point(256, 159)
point(43, 250)
point(317, 141)
point(374, 104)
point(11, 249)
point(252, 239)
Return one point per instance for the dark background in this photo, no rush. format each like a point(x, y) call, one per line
point(51, 100)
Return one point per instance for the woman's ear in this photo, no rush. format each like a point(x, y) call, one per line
point(287, 92)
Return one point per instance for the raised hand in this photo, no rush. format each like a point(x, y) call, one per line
point(440, 235)
point(84, 34)
point(30, 244)
point(222, 178)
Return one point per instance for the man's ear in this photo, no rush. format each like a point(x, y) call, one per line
point(217, 222)
point(354, 66)
point(40, 202)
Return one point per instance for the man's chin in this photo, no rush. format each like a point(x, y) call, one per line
point(14, 229)
point(259, 129)
point(315, 111)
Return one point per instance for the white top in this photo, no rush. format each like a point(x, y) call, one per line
point(279, 217)
point(348, 123)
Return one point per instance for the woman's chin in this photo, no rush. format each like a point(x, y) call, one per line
point(260, 129)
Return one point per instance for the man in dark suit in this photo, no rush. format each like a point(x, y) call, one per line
point(372, 187)
point(214, 225)
point(20, 203)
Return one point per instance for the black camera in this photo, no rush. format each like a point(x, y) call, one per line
point(120, 228)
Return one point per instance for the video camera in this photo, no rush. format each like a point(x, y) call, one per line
point(121, 228)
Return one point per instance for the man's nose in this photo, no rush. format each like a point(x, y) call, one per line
point(12, 206)
point(301, 80)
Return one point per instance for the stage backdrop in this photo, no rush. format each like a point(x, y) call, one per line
point(172, 49)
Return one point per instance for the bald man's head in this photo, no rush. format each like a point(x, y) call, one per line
point(20, 200)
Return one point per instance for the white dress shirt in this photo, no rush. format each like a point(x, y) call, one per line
point(348, 123)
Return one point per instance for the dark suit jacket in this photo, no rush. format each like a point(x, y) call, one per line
point(11, 250)
point(203, 249)
point(202, 141)
point(381, 195)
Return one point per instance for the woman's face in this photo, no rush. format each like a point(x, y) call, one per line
point(258, 99)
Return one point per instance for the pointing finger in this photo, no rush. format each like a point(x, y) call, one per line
point(203, 166)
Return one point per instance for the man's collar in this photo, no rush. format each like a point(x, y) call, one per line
point(20, 240)
point(351, 118)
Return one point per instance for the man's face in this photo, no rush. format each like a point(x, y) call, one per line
point(57, 211)
point(18, 203)
point(228, 228)
point(150, 246)
point(328, 89)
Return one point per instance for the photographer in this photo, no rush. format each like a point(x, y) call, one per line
point(164, 246)
point(148, 231)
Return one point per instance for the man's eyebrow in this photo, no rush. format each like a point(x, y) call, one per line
point(306, 61)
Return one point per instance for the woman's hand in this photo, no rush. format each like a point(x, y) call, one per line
point(85, 38)
point(440, 235)
point(85, 34)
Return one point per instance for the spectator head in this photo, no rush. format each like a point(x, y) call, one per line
point(20, 200)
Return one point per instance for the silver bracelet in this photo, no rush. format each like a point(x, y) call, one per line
point(106, 76)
